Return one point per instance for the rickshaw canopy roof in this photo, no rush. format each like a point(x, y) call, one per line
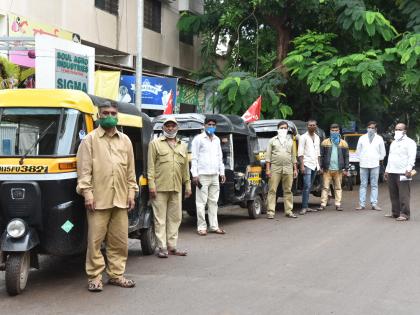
point(302, 128)
point(189, 121)
point(270, 125)
point(231, 124)
point(47, 98)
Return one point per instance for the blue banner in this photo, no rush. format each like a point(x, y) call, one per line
point(155, 91)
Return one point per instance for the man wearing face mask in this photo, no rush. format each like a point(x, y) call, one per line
point(167, 171)
point(281, 166)
point(371, 152)
point(398, 172)
point(107, 181)
point(334, 164)
point(206, 167)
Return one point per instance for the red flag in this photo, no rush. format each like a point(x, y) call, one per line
point(254, 111)
point(169, 105)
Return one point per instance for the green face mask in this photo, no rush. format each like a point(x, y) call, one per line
point(108, 122)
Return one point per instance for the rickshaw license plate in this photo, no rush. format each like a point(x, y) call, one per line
point(23, 169)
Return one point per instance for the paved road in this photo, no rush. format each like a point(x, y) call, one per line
point(322, 263)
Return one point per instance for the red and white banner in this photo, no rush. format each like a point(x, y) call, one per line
point(254, 111)
point(169, 105)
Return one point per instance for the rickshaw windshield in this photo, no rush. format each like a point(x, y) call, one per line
point(40, 131)
point(263, 143)
point(352, 141)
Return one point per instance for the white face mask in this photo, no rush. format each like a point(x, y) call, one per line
point(398, 134)
point(282, 133)
point(371, 130)
point(169, 135)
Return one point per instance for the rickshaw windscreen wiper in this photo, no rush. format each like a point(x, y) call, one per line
point(36, 142)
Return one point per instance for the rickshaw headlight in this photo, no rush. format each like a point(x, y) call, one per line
point(16, 228)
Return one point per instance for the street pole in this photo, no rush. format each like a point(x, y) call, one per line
point(139, 57)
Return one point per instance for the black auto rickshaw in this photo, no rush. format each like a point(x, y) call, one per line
point(40, 211)
point(243, 184)
point(265, 130)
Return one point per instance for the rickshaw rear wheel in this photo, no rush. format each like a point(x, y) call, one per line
point(148, 241)
point(17, 271)
point(192, 213)
point(255, 207)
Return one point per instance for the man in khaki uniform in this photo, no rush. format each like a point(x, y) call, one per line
point(107, 181)
point(168, 170)
point(281, 167)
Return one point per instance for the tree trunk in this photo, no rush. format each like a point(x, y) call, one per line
point(278, 23)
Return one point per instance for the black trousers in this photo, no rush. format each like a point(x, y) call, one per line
point(399, 192)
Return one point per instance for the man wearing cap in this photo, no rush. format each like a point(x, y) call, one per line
point(167, 172)
point(281, 167)
point(206, 167)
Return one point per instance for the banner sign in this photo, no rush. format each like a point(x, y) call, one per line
point(191, 95)
point(20, 26)
point(155, 91)
point(107, 84)
point(63, 64)
point(71, 71)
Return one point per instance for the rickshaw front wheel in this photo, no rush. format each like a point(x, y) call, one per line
point(17, 271)
point(255, 207)
point(148, 241)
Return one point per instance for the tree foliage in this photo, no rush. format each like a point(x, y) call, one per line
point(334, 60)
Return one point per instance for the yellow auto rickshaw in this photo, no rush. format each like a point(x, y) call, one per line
point(40, 211)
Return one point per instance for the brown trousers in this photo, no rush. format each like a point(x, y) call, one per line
point(167, 211)
point(111, 226)
point(399, 193)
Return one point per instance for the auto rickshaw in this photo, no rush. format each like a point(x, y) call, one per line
point(40, 211)
point(267, 129)
point(354, 168)
point(244, 185)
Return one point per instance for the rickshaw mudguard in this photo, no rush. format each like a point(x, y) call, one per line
point(255, 191)
point(147, 217)
point(22, 244)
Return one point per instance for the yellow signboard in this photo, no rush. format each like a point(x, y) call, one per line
point(20, 26)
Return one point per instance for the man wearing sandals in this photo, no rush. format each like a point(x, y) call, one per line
point(206, 167)
point(167, 171)
point(107, 181)
point(334, 165)
point(398, 172)
point(281, 166)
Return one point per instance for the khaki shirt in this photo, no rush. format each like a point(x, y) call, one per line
point(105, 169)
point(281, 156)
point(168, 167)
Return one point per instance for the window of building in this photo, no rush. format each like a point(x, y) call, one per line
point(110, 6)
point(152, 15)
point(186, 38)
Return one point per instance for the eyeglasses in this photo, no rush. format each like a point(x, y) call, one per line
point(107, 113)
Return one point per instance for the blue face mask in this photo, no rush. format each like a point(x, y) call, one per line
point(335, 137)
point(210, 130)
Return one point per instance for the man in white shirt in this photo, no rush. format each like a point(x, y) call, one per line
point(401, 161)
point(206, 167)
point(371, 151)
point(308, 153)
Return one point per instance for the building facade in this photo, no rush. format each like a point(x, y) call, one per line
point(110, 27)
